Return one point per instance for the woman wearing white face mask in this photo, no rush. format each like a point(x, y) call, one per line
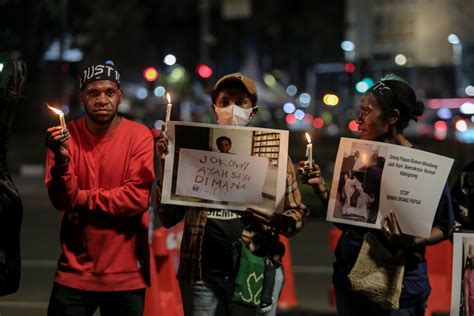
point(208, 266)
point(234, 97)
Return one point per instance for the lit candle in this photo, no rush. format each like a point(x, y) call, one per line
point(60, 113)
point(168, 109)
point(309, 151)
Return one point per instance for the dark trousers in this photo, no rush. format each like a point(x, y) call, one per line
point(66, 301)
point(350, 303)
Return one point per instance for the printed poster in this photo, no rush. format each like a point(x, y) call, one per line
point(372, 178)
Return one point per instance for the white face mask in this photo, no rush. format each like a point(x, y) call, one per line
point(234, 115)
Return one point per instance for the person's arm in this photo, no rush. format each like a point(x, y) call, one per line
point(294, 214)
point(133, 196)
point(169, 215)
point(60, 179)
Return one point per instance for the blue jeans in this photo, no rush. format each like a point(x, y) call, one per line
point(214, 297)
point(351, 303)
point(279, 280)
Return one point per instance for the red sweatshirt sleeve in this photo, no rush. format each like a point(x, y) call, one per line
point(61, 183)
point(134, 195)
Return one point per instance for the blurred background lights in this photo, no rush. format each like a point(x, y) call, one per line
point(308, 119)
point(461, 125)
point(169, 60)
point(177, 74)
point(444, 113)
point(159, 91)
point(441, 126)
point(290, 119)
point(467, 108)
point(400, 59)
point(327, 117)
point(204, 71)
point(368, 81)
point(353, 126)
point(362, 87)
point(349, 68)
point(141, 93)
point(1, 67)
point(150, 73)
point(289, 107)
point(453, 39)
point(305, 99)
point(291, 90)
point(441, 130)
point(299, 114)
point(125, 105)
point(318, 122)
point(269, 80)
point(347, 46)
point(330, 99)
point(469, 90)
point(332, 130)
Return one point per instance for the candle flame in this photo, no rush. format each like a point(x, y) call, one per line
point(57, 111)
point(168, 97)
point(308, 138)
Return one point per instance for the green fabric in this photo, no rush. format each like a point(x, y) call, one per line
point(249, 280)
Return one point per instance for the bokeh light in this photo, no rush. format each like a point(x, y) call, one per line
point(169, 60)
point(444, 113)
point(331, 99)
point(299, 114)
point(290, 119)
point(291, 90)
point(353, 126)
point(318, 122)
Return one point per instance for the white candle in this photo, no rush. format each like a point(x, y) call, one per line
point(62, 121)
point(309, 151)
point(60, 113)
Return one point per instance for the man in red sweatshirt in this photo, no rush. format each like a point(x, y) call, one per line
point(99, 174)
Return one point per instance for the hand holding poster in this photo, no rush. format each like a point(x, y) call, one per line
point(372, 178)
point(229, 167)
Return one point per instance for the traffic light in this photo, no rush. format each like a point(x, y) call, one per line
point(204, 71)
point(150, 74)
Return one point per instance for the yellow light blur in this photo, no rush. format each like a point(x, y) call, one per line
point(269, 80)
point(331, 99)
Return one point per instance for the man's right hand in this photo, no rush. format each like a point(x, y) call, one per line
point(56, 141)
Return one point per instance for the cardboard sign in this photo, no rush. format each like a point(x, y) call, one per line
point(225, 167)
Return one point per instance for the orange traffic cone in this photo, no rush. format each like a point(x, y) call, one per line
point(287, 298)
point(163, 297)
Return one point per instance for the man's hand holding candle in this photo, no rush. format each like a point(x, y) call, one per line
point(56, 141)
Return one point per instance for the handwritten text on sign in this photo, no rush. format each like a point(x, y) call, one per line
point(220, 177)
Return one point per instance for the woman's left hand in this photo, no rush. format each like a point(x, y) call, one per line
point(391, 229)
